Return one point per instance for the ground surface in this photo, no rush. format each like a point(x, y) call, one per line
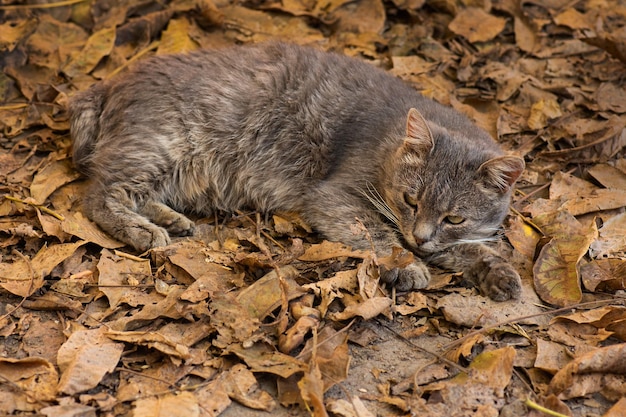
point(255, 315)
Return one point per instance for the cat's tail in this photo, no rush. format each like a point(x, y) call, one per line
point(85, 109)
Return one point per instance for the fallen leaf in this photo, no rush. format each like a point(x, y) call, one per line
point(368, 309)
point(97, 46)
point(330, 250)
point(50, 178)
point(262, 358)
point(601, 370)
point(184, 403)
point(264, 295)
point(23, 277)
point(608, 275)
point(35, 380)
point(476, 25)
point(85, 358)
point(555, 272)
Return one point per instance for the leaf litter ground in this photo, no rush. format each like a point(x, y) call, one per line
point(255, 312)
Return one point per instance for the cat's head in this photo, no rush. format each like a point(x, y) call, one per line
point(442, 188)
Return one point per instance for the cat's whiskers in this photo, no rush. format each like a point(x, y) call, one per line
point(379, 203)
point(477, 240)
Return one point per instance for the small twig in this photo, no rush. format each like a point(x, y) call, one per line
point(14, 106)
point(129, 256)
point(531, 404)
point(428, 352)
point(139, 54)
point(527, 221)
point(316, 345)
point(37, 206)
point(41, 6)
point(538, 190)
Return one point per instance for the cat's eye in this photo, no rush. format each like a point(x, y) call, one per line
point(455, 219)
point(410, 200)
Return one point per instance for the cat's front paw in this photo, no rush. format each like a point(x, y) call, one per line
point(502, 282)
point(180, 226)
point(412, 277)
point(147, 236)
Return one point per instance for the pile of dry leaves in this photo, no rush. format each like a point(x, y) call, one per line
point(260, 310)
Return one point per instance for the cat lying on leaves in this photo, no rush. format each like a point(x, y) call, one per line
point(281, 127)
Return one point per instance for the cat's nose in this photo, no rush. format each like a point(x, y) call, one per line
point(422, 233)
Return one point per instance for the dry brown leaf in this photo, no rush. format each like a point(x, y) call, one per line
point(119, 277)
point(53, 41)
point(50, 178)
point(523, 237)
point(213, 398)
point(176, 38)
point(263, 358)
point(542, 112)
point(66, 410)
point(551, 356)
point(184, 403)
point(607, 275)
point(476, 25)
point(330, 250)
point(481, 311)
point(330, 354)
point(294, 336)
point(241, 385)
point(264, 295)
point(493, 369)
point(609, 176)
point(75, 223)
point(97, 47)
point(368, 309)
point(352, 408)
point(85, 358)
point(601, 370)
point(612, 238)
point(173, 339)
point(555, 272)
point(233, 322)
point(312, 391)
point(618, 409)
point(23, 277)
point(332, 288)
point(35, 378)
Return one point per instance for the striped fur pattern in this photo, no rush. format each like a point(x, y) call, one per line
point(277, 126)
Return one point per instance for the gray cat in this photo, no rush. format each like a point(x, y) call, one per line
point(277, 126)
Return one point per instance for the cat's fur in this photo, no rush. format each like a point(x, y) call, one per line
point(280, 127)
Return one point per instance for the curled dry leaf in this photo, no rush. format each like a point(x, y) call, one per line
point(607, 275)
point(555, 272)
point(35, 378)
point(242, 386)
point(294, 336)
point(601, 370)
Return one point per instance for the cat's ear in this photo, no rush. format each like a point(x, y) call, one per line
point(501, 172)
point(418, 134)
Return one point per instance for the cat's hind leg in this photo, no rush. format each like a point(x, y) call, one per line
point(174, 222)
point(116, 212)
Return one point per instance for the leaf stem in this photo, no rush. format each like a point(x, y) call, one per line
point(531, 404)
point(37, 206)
